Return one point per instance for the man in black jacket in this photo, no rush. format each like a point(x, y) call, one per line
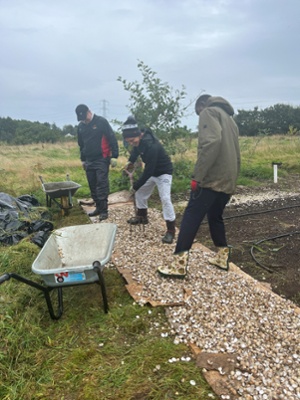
point(157, 172)
point(98, 145)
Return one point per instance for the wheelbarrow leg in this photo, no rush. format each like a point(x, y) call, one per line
point(60, 308)
point(70, 194)
point(64, 205)
point(45, 290)
point(66, 201)
point(101, 282)
point(48, 200)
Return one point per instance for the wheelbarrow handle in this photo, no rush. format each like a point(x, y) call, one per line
point(4, 278)
point(41, 179)
point(96, 264)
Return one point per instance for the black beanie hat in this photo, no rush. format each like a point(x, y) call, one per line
point(130, 128)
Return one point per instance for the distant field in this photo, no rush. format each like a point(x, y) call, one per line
point(21, 166)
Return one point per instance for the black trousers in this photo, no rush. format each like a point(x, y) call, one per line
point(203, 202)
point(97, 176)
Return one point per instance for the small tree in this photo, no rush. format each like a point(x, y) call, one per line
point(157, 106)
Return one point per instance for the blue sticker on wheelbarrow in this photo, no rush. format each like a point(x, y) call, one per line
point(67, 277)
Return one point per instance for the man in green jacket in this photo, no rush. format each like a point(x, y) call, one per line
point(214, 181)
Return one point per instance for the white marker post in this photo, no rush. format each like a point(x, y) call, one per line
point(275, 170)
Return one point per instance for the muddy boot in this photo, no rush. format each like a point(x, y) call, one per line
point(170, 234)
point(222, 258)
point(140, 218)
point(178, 267)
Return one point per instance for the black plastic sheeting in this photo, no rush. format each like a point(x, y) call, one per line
point(16, 220)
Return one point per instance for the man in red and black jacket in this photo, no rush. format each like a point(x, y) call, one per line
point(98, 145)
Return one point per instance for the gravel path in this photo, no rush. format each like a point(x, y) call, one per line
point(222, 313)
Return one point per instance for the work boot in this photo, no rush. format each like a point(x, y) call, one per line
point(140, 217)
point(94, 213)
point(103, 216)
point(170, 234)
point(101, 208)
point(222, 258)
point(178, 267)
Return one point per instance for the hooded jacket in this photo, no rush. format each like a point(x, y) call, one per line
point(218, 161)
point(156, 160)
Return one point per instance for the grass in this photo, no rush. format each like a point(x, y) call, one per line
point(259, 154)
point(88, 354)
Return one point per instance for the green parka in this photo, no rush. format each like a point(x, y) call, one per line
point(218, 160)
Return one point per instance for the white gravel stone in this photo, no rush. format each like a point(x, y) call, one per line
point(218, 311)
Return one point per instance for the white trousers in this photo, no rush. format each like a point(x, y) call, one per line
point(163, 183)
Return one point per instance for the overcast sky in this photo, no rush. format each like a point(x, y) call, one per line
point(59, 53)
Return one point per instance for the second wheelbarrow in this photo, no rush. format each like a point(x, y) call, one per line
point(60, 190)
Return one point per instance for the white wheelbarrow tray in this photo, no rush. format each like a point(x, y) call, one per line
point(68, 255)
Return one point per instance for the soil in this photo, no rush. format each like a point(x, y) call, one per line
point(263, 226)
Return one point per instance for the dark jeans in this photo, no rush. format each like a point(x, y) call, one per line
point(203, 202)
point(97, 176)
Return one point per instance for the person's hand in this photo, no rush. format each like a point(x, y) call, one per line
point(113, 162)
point(194, 185)
point(83, 165)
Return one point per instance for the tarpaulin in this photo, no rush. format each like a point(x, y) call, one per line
point(19, 217)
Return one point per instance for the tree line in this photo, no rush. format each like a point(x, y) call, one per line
point(156, 105)
point(279, 119)
point(18, 132)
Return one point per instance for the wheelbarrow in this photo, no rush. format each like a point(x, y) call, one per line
point(63, 190)
point(74, 255)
